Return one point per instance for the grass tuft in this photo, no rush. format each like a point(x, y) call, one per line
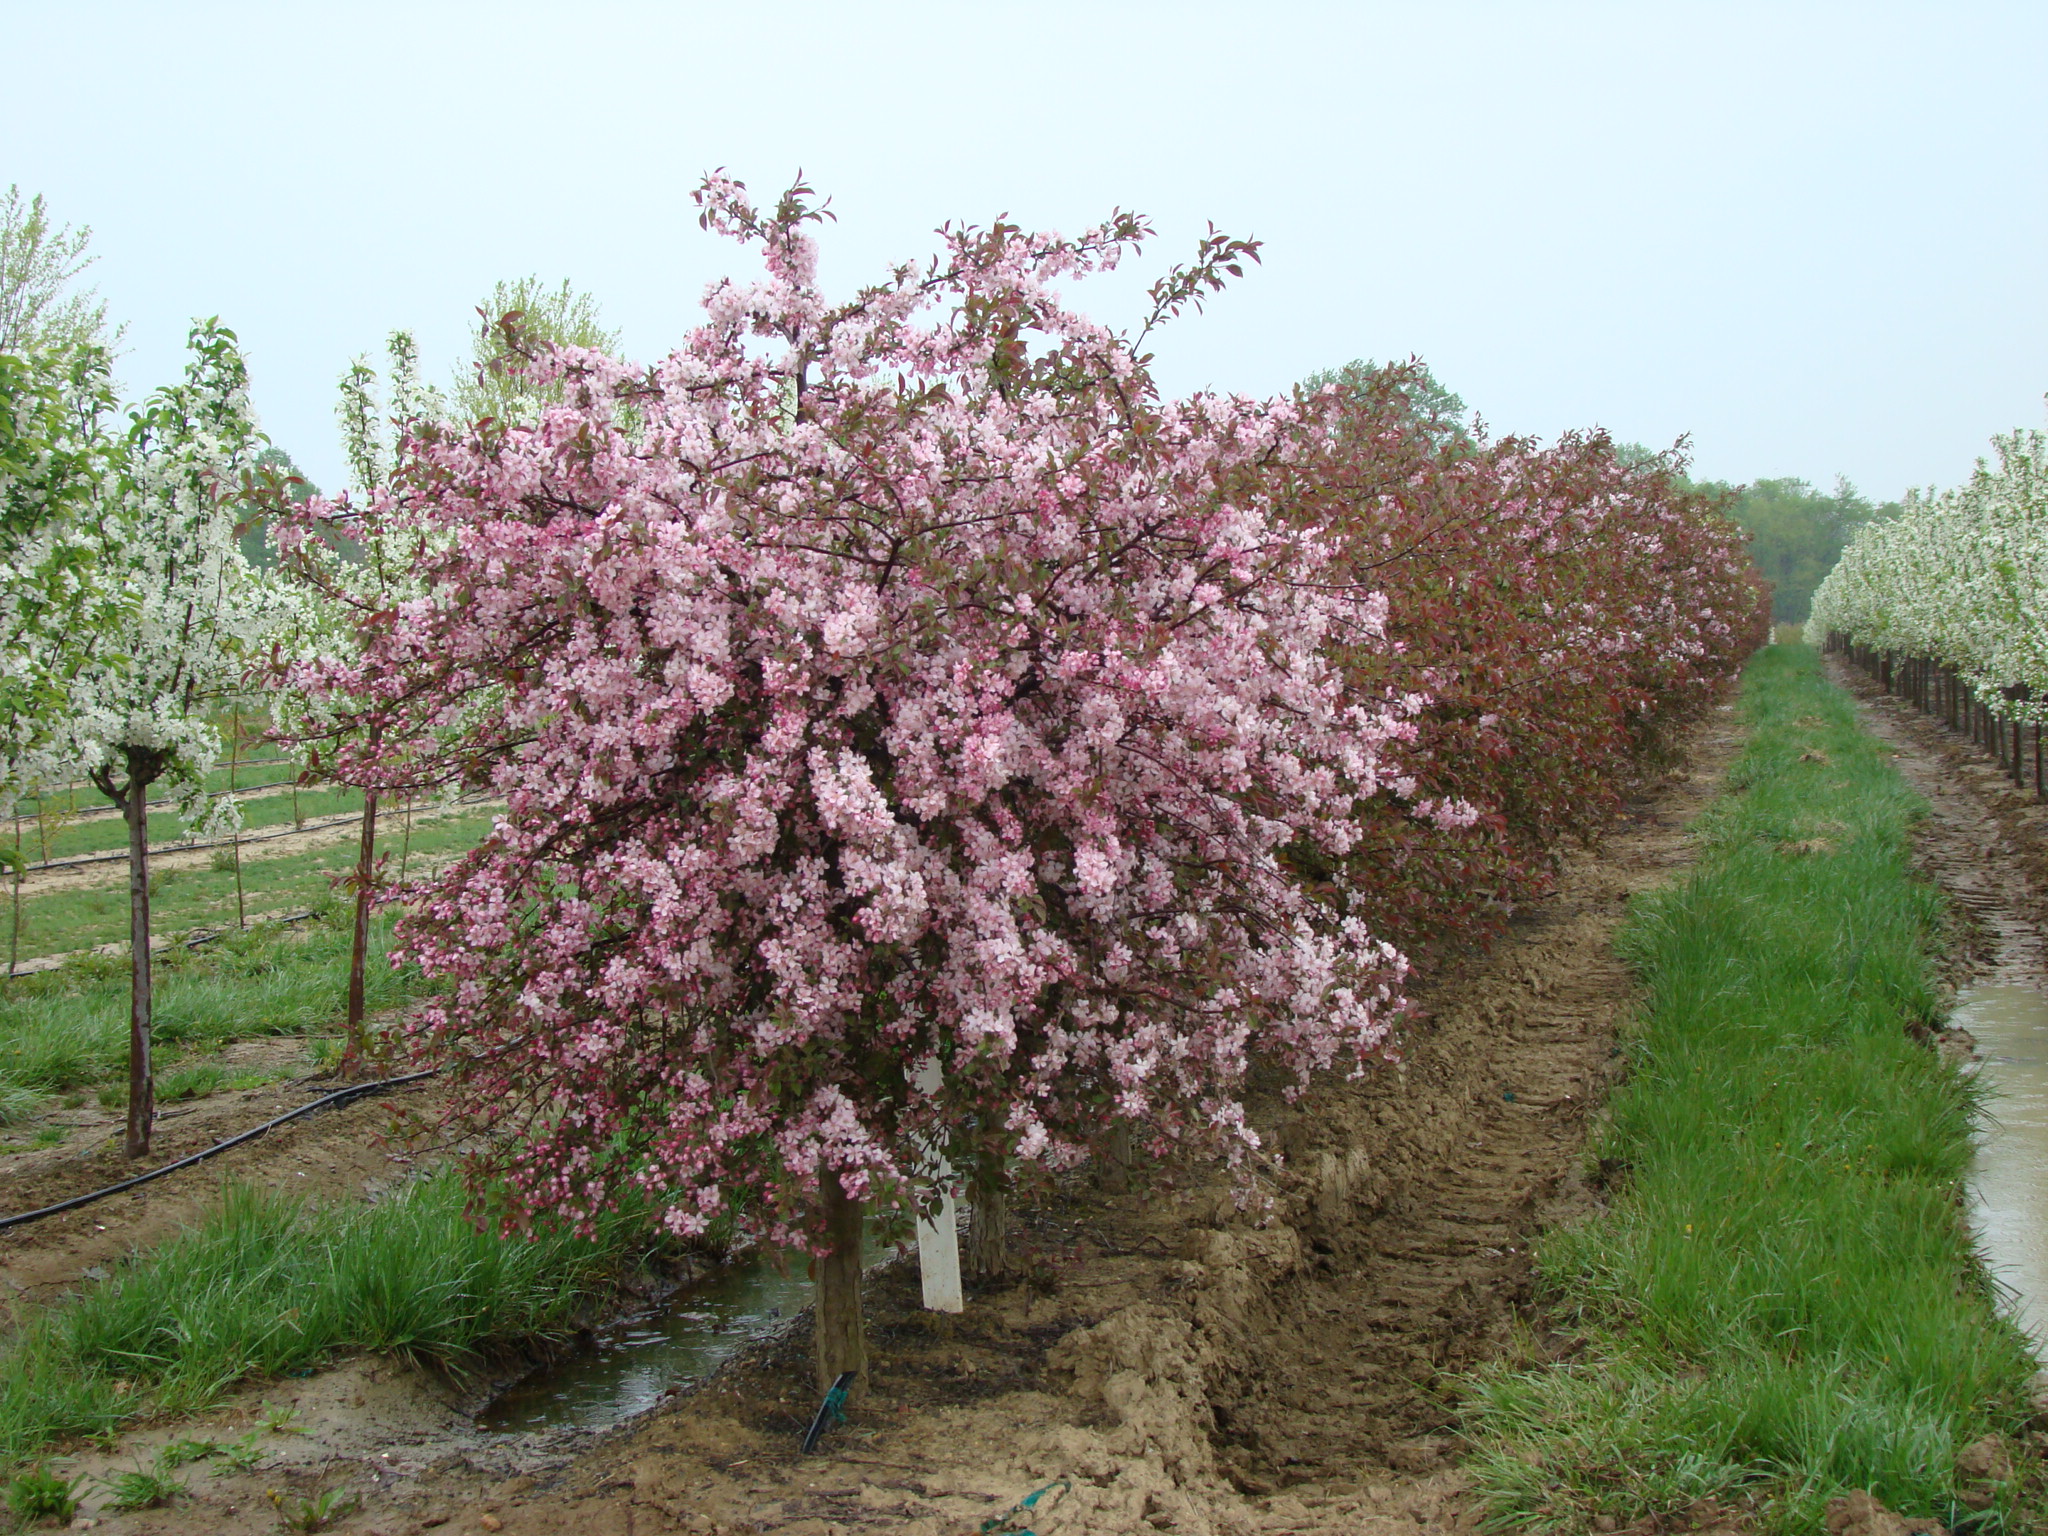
point(1782, 1302)
point(272, 1285)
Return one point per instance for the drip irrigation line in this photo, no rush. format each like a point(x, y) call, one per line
point(343, 1096)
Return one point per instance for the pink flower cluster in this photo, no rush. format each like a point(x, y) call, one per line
point(866, 684)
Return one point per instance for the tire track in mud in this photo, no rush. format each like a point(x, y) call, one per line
point(1350, 1368)
point(1983, 842)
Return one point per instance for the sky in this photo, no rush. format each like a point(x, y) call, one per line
point(1809, 237)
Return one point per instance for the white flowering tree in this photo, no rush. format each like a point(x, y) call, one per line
point(140, 711)
point(1961, 577)
point(57, 604)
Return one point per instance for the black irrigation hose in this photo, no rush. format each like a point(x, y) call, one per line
point(343, 1096)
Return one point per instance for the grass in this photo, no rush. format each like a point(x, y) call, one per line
point(142, 1488)
point(61, 921)
point(1781, 1303)
point(257, 768)
point(108, 834)
point(67, 1029)
point(271, 1285)
point(38, 1494)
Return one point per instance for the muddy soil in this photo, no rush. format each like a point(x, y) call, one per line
point(1984, 840)
point(1181, 1365)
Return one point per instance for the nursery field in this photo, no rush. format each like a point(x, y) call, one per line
point(63, 911)
point(1505, 1281)
point(1377, 989)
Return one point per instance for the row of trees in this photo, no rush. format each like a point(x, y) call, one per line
point(1958, 578)
point(908, 682)
point(140, 601)
point(925, 743)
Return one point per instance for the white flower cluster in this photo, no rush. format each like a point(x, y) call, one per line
point(197, 613)
point(1960, 576)
point(55, 595)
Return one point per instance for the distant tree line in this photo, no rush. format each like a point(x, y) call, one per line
point(1797, 533)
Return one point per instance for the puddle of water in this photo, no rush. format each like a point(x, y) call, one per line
point(697, 1330)
point(2009, 1184)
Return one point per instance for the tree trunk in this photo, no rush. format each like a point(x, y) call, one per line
point(366, 869)
point(14, 928)
point(405, 842)
point(988, 1229)
point(141, 1084)
point(235, 838)
point(840, 1334)
point(1118, 1159)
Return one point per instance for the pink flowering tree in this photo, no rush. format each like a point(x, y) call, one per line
point(871, 684)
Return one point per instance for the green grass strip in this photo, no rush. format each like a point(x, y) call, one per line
point(1781, 1303)
point(272, 1285)
point(106, 834)
point(68, 1029)
point(189, 898)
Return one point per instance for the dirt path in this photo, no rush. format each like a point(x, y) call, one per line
point(1185, 1367)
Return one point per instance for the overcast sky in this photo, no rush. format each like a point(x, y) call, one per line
point(1811, 236)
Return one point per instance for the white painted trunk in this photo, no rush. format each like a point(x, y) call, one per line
point(938, 1241)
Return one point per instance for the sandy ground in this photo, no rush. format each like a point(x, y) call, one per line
point(1182, 1366)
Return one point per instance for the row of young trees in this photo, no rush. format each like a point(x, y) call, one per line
point(928, 745)
point(129, 612)
point(139, 603)
point(1958, 579)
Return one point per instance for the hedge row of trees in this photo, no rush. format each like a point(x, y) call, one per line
point(907, 682)
point(925, 743)
point(1958, 581)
